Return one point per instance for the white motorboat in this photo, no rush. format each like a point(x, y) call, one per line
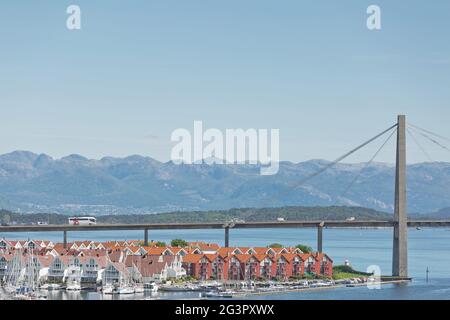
point(125, 290)
point(53, 286)
point(151, 287)
point(108, 289)
point(218, 294)
point(175, 288)
point(73, 287)
point(44, 286)
point(50, 286)
point(139, 289)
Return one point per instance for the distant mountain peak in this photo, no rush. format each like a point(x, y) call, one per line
point(42, 160)
point(74, 157)
point(19, 156)
point(35, 182)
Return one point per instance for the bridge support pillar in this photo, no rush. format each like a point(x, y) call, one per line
point(227, 237)
point(319, 238)
point(400, 243)
point(65, 239)
point(145, 237)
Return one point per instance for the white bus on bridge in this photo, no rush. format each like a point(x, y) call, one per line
point(82, 221)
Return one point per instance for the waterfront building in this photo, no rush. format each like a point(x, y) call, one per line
point(234, 269)
point(266, 265)
point(91, 268)
point(56, 270)
point(250, 265)
point(115, 261)
point(192, 264)
point(219, 267)
point(175, 268)
point(155, 268)
point(5, 260)
point(297, 265)
point(324, 264)
point(115, 273)
point(283, 267)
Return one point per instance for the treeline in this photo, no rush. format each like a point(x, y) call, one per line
point(253, 214)
point(249, 214)
point(7, 218)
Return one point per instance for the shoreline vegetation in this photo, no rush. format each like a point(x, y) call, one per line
point(294, 213)
point(346, 272)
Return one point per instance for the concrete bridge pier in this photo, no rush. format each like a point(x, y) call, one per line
point(320, 237)
point(227, 237)
point(65, 239)
point(145, 237)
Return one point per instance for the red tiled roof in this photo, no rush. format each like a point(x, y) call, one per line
point(320, 256)
point(192, 258)
point(149, 265)
point(261, 257)
point(243, 257)
point(289, 256)
point(177, 250)
point(223, 252)
point(157, 250)
point(211, 257)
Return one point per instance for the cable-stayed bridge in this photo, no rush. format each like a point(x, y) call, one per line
point(399, 223)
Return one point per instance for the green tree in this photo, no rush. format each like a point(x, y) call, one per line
point(304, 248)
point(160, 244)
point(178, 243)
point(275, 245)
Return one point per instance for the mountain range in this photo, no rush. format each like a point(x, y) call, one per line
point(32, 182)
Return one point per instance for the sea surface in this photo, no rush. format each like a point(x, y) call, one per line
point(427, 248)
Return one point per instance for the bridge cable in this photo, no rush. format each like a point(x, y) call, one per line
point(428, 131)
point(431, 139)
point(294, 186)
point(344, 156)
point(419, 145)
point(368, 163)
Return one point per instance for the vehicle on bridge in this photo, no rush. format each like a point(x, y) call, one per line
point(82, 221)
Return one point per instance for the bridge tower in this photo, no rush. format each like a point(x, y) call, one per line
point(400, 245)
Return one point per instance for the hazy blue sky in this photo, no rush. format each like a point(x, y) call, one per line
point(140, 69)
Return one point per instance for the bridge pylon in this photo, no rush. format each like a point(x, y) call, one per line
point(400, 241)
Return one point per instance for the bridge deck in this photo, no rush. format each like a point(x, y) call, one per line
point(221, 225)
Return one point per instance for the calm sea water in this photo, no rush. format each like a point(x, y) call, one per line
point(429, 247)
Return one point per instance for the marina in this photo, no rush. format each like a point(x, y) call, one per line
point(196, 292)
point(30, 267)
point(371, 248)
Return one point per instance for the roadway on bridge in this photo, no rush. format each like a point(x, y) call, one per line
point(223, 225)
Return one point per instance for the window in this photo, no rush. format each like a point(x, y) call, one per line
point(58, 264)
point(91, 263)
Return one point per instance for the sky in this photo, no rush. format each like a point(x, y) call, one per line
point(138, 70)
